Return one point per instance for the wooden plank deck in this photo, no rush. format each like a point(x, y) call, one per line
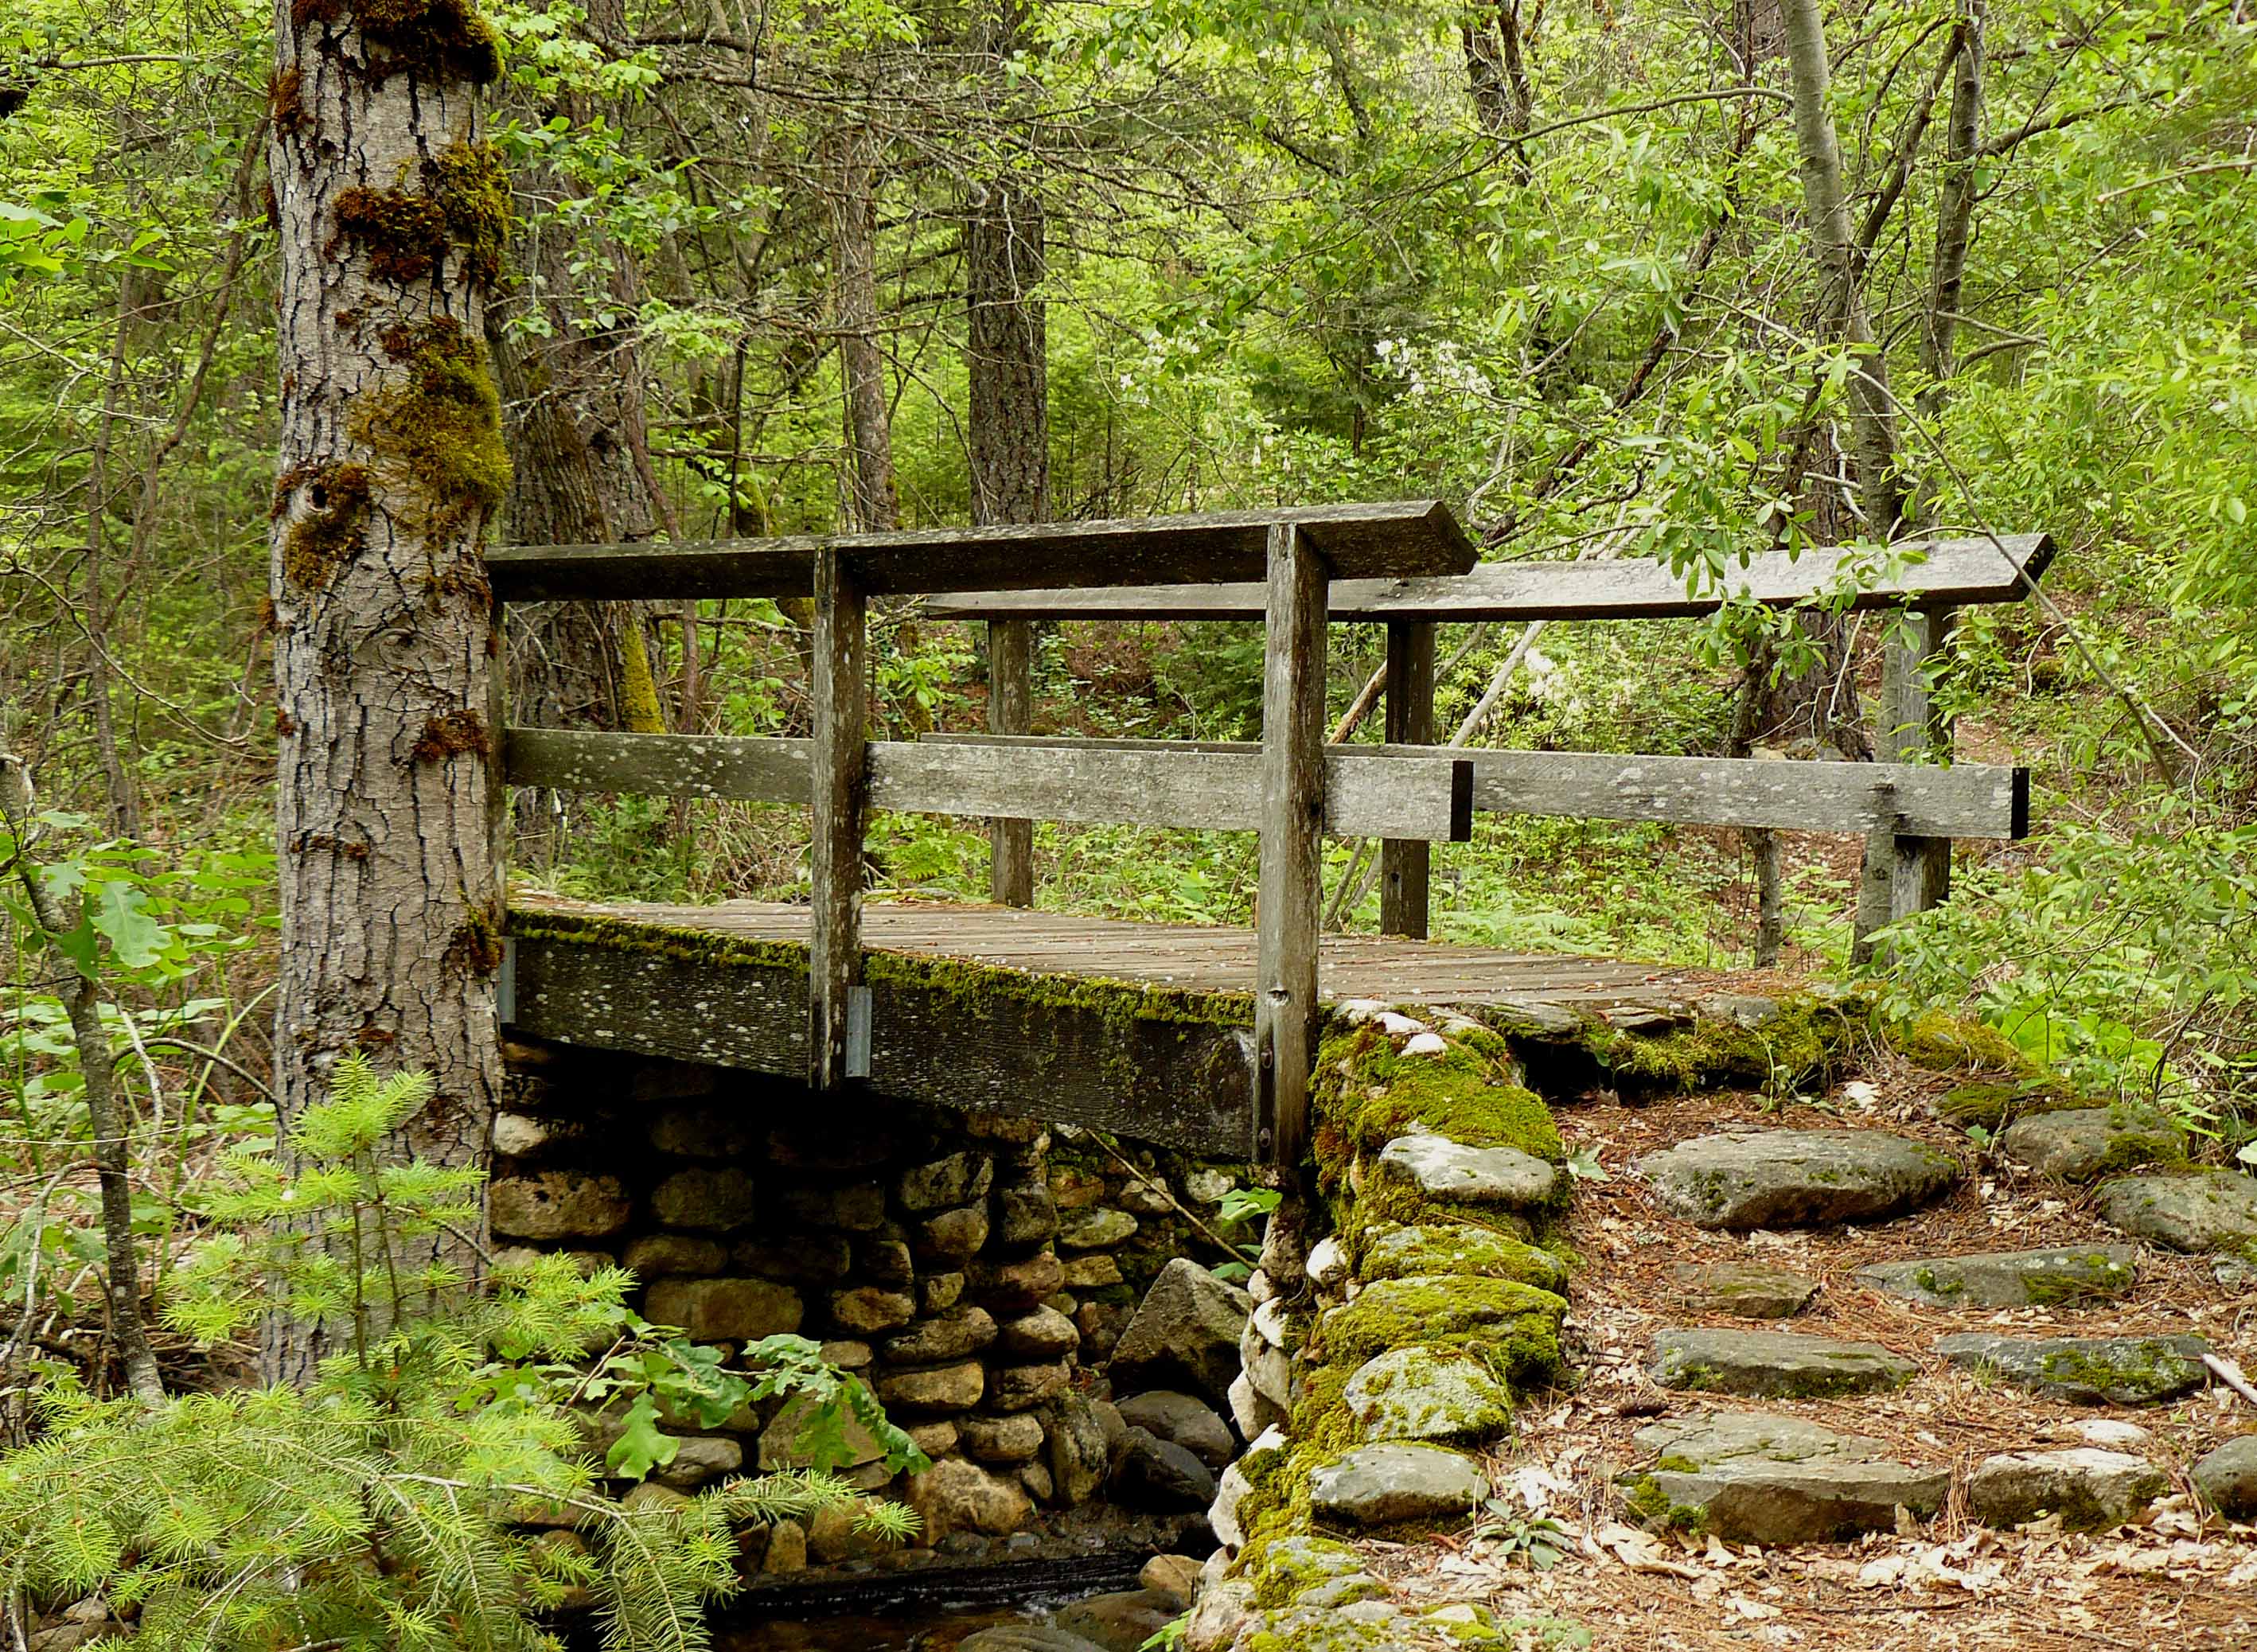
point(1186, 957)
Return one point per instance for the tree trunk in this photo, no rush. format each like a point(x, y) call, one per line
point(1845, 319)
point(392, 217)
point(849, 197)
point(1955, 215)
point(1497, 74)
point(1008, 372)
point(93, 609)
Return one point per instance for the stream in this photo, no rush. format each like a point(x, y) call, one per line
point(929, 1609)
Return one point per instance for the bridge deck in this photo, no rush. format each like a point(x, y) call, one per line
point(1139, 1027)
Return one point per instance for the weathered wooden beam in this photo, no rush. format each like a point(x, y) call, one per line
point(835, 856)
point(1290, 902)
point(749, 768)
point(1010, 710)
point(1914, 727)
point(1967, 800)
point(1416, 537)
point(1404, 864)
point(1168, 1067)
point(1427, 794)
point(1954, 572)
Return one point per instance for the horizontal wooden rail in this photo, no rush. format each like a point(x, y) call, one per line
point(1968, 800)
point(1426, 793)
point(1954, 572)
point(1412, 538)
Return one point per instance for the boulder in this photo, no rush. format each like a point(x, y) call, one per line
point(714, 1199)
point(1177, 1575)
point(883, 1259)
point(1419, 1393)
point(1184, 1336)
point(704, 1130)
point(2077, 1144)
point(1397, 1252)
point(1251, 1409)
point(1392, 1483)
point(1519, 1323)
point(1016, 1439)
point(957, 1496)
point(1774, 1365)
point(1043, 1334)
point(2089, 1490)
point(1223, 1611)
point(1091, 1272)
point(698, 1460)
point(653, 1254)
point(782, 1445)
point(1155, 1474)
point(1751, 1478)
point(953, 1238)
point(787, 1550)
point(1025, 1637)
point(958, 1179)
point(956, 1387)
point(1076, 1450)
point(859, 1207)
point(1096, 1231)
point(1504, 1178)
point(955, 1334)
point(1024, 1216)
point(2085, 1370)
point(1015, 1287)
point(1749, 1290)
point(797, 1258)
point(1023, 1388)
point(723, 1310)
point(557, 1204)
point(870, 1309)
point(938, 1292)
point(2227, 1477)
point(1785, 1178)
point(1120, 1622)
point(1183, 1420)
point(2009, 1279)
point(2198, 1211)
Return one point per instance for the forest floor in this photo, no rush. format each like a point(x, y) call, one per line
point(2175, 1582)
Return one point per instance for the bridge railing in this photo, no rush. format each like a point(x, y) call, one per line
point(1407, 565)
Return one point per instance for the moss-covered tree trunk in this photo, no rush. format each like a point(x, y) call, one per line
point(392, 215)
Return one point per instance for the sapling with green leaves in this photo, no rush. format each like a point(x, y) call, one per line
point(435, 1487)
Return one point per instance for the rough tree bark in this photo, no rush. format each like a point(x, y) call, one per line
point(393, 215)
point(848, 191)
point(1955, 215)
point(1497, 74)
point(1006, 370)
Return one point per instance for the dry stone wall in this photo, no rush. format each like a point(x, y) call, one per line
point(974, 1270)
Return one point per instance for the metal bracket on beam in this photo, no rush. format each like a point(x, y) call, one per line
point(505, 985)
point(858, 1032)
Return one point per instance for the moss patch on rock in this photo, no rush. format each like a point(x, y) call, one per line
point(1802, 1039)
point(1513, 1328)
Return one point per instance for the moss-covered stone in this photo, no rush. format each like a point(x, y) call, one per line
point(1945, 1044)
point(1388, 1250)
point(1365, 1095)
point(1802, 1041)
point(1513, 1328)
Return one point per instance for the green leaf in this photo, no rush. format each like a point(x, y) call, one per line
point(80, 945)
point(640, 1446)
point(137, 939)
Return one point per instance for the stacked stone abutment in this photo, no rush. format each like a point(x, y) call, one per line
point(969, 1267)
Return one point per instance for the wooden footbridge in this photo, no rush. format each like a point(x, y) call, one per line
point(1198, 1037)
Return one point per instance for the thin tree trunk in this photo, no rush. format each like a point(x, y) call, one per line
point(124, 804)
point(1955, 215)
point(1007, 374)
point(392, 470)
point(848, 193)
point(1845, 318)
point(98, 1082)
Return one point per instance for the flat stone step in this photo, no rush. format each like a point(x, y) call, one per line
point(1752, 1290)
point(1750, 1476)
point(2087, 1489)
point(2199, 1211)
point(2061, 1276)
point(1388, 1484)
point(1790, 1178)
point(2078, 1144)
point(2086, 1370)
point(1774, 1365)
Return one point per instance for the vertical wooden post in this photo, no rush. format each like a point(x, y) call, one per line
point(1291, 892)
point(1011, 710)
point(835, 859)
point(1404, 864)
point(1921, 876)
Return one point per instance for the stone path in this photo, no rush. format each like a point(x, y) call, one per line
point(1776, 1478)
